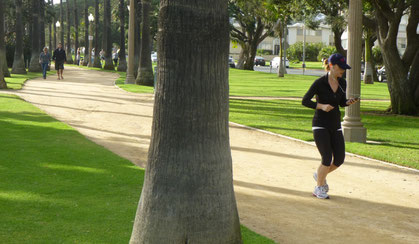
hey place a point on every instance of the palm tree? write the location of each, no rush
(107, 36)
(18, 61)
(188, 195)
(137, 33)
(3, 84)
(5, 69)
(49, 27)
(87, 56)
(42, 23)
(122, 65)
(76, 26)
(34, 65)
(62, 23)
(96, 62)
(68, 52)
(145, 70)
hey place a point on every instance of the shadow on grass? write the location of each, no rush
(57, 186)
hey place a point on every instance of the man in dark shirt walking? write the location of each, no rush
(60, 58)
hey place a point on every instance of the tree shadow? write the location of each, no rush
(296, 217)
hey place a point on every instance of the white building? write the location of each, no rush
(401, 36)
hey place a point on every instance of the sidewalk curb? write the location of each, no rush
(312, 144)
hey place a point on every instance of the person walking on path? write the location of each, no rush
(60, 58)
(78, 56)
(45, 60)
(330, 92)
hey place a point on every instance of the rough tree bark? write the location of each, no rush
(145, 70)
(50, 30)
(4, 67)
(404, 89)
(3, 84)
(87, 55)
(76, 27)
(96, 62)
(188, 192)
(18, 61)
(42, 42)
(137, 45)
(107, 36)
(122, 65)
(368, 68)
(68, 44)
(62, 24)
(36, 50)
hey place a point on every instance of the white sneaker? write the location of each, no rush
(320, 192)
(326, 186)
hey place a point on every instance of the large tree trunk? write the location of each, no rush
(145, 70)
(281, 68)
(3, 84)
(107, 36)
(122, 65)
(87, 55)
(368, 69)
(137, 45)
(4, 67)
(18, 61)
(401, 87)
(96, 62)
(35, 66)
(50, 31)
(250, 58)
(337, 36)
(42, 23)
(68, 46)
(242, 58)
(188, 194)
(76, 27)
(62, 24)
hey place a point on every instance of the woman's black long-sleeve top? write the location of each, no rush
(325, 95)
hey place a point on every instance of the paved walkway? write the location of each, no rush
(370, 202)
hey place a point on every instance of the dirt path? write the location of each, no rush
(370, 202)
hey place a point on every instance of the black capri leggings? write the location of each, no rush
(331, 144)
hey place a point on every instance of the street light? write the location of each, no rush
(91, 19)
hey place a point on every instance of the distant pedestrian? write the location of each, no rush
(78, 56)
(45, 60)
(60, 58)
(115, 58)
(330, 93)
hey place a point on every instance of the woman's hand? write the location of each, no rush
(325, 107)
(352, 101)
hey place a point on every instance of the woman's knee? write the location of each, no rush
(339, 159)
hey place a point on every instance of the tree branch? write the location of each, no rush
(412, 37)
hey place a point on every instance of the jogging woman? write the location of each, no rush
(330, 92)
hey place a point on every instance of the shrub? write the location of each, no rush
(325, 52)
(295, 51)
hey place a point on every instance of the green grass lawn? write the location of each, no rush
(16, 81)
(309, 65)
(398, 135)
(58, 187)
(251, 83)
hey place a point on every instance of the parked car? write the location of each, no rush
(275, 62)
(154, 57)
(231, 62)
(259, 61)
(381, 73)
